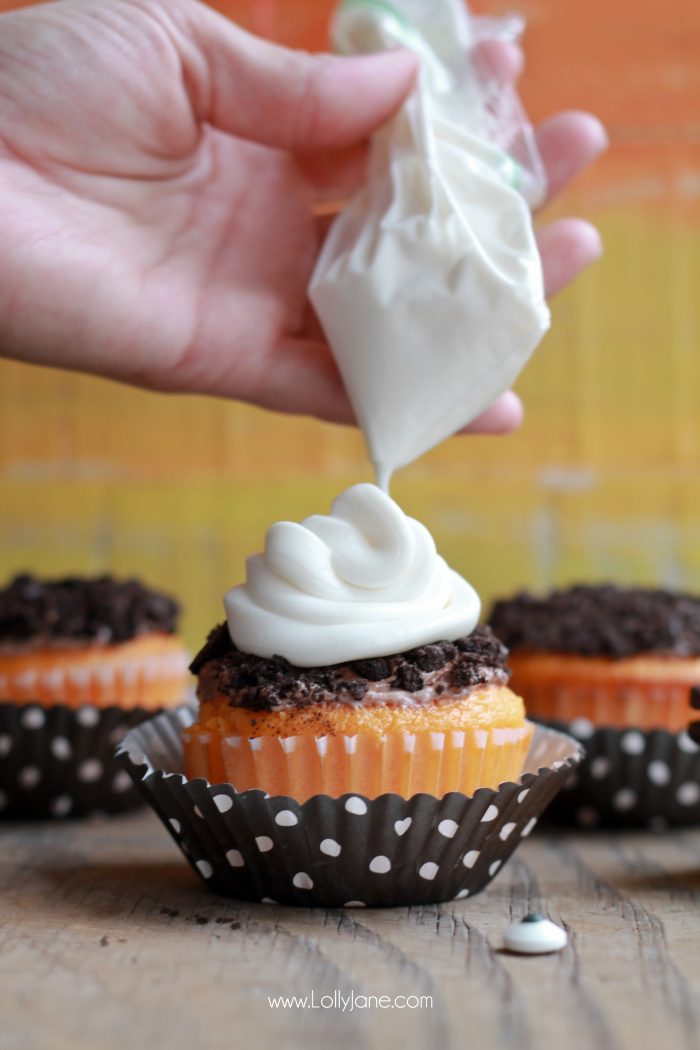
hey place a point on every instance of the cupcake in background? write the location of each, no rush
(357, 740)
(616, 667)
(81, 661)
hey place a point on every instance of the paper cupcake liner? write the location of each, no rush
(617, 701)
(694, 727)
(399, 761)
(138, 680)
(344, 851)
(58, 761)
(630, 778)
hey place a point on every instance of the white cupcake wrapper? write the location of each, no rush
(630, 778)
(112, 676)
(343, 851)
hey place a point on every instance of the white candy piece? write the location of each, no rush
(534, 935)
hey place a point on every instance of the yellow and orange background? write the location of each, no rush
(603, 480)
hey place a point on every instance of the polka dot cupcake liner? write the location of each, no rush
(630, 778)
(59, 761)
(694, 727)
(345, 851)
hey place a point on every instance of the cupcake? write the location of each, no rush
(302, 693)
(81, 660)
(617, 667)
(350, 707)
(434, 719)
(81, 641)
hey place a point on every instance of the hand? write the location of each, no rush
(158, 171)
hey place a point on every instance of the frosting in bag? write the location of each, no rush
(429, 285)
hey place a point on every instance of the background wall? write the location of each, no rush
(601, 482)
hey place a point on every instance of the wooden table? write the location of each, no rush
(108, 940)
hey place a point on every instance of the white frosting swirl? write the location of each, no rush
(363, 581)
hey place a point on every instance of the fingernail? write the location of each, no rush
(599, 134)
(595, 243)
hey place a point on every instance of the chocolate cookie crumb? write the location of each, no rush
(408, 678)
(372, 670)
(218, 644)
(431, 657)
(257, 684)
(74, 608)
(601, 620)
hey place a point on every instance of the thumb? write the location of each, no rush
(288, 99)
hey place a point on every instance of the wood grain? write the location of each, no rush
(107, 938)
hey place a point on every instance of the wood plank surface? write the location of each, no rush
(108, 939)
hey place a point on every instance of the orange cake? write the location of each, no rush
(434, 719)
(79, 641)
(615, 657)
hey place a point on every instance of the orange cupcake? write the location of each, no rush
(617, 669)
(611, 656)
(356, 741)
(435, 719)
(98, 641)
(81, 661)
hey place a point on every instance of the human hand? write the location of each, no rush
(158, 172)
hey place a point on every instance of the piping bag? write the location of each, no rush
(429, 285)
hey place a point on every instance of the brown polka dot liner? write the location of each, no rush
(59, 761)
(694, 727)
(630, 778)
(346, 851)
